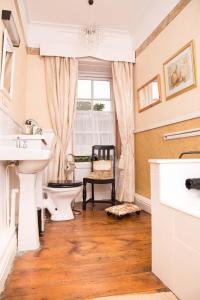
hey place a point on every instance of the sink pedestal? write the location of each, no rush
(30, 164)
(28, 235)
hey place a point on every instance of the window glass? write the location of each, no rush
(155, 90)
(84, 89)
(101, 89)
(84, 105)
(99, 105)
(95, 121)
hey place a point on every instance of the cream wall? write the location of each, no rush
(149, 143)
(16, 106)
(179, 32)
(36, 101)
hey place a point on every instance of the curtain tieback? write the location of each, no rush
(59, 141)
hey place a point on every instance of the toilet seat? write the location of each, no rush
(64, 184)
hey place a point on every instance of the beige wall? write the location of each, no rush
(149, 63)
(16, 107)
(150, 144)
(36, 104)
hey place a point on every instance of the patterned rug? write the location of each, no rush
(157, 296)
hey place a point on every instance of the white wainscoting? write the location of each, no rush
(8, 241)
(8, 250)
(143, 202)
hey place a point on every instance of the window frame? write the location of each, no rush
(92, 99)
(92, 111)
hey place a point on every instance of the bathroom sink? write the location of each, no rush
(31, 166)
(11, 153)
(29, 161)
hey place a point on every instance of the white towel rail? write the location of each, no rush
(181, 134)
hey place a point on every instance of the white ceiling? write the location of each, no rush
(114, 14)
(125, 23)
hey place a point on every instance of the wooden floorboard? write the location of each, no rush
(91, 256)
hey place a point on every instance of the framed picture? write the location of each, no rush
(7, 66)
(180, 72)
(149, 94)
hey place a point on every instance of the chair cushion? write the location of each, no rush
(123, 209)
(100, 175)
(102, 165)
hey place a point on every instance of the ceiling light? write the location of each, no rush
(10, 25)
(91, 35)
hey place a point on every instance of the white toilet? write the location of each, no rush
(60, 196)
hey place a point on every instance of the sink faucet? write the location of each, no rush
(18, 142)
(19, 145)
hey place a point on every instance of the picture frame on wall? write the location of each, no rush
(7, 66)
(149, 94)
(180, 71)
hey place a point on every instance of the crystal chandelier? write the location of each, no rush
(91, 35)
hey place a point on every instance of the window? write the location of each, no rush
(94, 124)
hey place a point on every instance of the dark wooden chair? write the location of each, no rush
(100, 153)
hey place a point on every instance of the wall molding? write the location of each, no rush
(165, 22)
(7, 258)
(183, 118)
(20, 21)
(143, 202)
(32, 51)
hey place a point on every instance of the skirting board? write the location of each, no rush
(143, 202)
(98, 196)
(7, 259)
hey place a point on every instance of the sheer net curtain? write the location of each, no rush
(61, 86)
(93, 128)
(123, 95)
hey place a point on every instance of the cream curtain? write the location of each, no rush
(61, 85)
(123, 94)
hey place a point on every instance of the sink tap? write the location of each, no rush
(25, 144)
(18, 142)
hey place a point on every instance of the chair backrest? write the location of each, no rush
(105, 152)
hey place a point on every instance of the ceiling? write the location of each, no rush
(125, 23)
(114, 14)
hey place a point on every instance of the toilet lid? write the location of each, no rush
(64, 184)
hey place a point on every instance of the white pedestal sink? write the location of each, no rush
(30, 163)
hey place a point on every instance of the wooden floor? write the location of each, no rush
(91, 256)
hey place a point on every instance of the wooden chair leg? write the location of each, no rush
(113, 194)
(92, 194)
(84, 195)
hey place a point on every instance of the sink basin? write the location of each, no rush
(11, 153)
(30, 161)
(31, 166)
